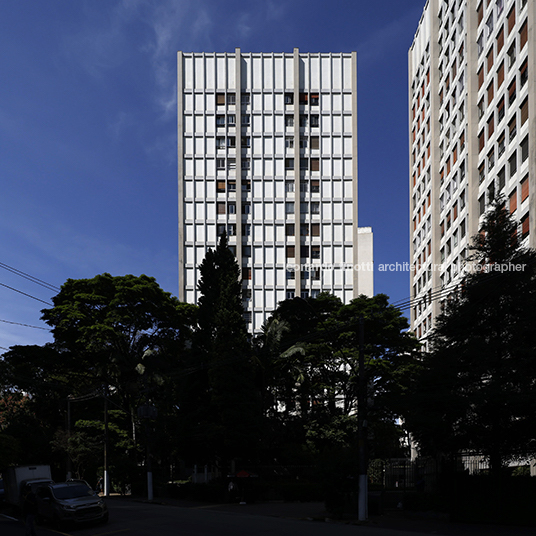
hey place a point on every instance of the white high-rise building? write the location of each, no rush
(472, 121)
(267, 147)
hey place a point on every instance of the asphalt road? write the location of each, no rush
(136, 518)
(130, 518)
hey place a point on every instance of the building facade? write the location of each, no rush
(267, 147)
(472, 121)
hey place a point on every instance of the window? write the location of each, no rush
(491, 125)
(245, 163)
(231, 229)
(315, 208)
(524, 188)
(500, 75)
(220, 207)
(314, 99)
(220, 142)
(500, 110)
(481, 108)
(489, 59)
(246, 251)
(501, 179)
(246, 274)
(525, 149)
(289, 120)
(220, 98)
(289, 163)
(482, 204)
(511, 19)
(513, 201)
(289, 229)
(220, 186)
(245, 98)
(315, 252)
(231, 141)
(523, 76)
(246, 229)
(500, 145)
(246, 142)
(480, 43)
(315, 164)
(490, 93)
(491, 159)
(523, 35)
(512, 55)
(500, 6)
(303, 120)
(512, 128)
(291, 274)
(220, 120)
(231, 120)
(525, 111)
(245, 119)
(512, 92)
(315, 227)
(315, 142)
(246, 293)
(289, 207)
(500, 40)
(231, 208)
(231, 186)
(304, 208)
(304, 251)
(315, 120)
(289, 142)
(246, 185)
(220, 163)
(231, 98)
(512, 163)
(304, 98)
(231, 163)
(481, 140)
(220, 229)
(315, 186)
(303, 142)
(289, 186)
(525, 227)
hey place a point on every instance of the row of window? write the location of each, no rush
(229, 99)
(223, 142)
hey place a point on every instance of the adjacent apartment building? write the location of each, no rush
(472, 125)
(267, 152)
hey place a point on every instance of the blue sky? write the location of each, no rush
(88, 161)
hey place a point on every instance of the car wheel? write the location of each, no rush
(105, 518)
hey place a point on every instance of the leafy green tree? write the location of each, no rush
(311, 352)
(477, 388)
(220, 401)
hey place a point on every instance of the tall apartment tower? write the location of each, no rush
(267, 147)
(472, 120)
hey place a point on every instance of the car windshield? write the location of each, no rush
(72, 492)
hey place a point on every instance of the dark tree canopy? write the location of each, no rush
(477, 389)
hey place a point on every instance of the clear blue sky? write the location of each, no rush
(88, 162)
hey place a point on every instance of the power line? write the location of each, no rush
(24, 325)
(29, 277)
(25, 294)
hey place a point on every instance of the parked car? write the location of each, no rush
(70, 502)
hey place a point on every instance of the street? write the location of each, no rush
(142, 519)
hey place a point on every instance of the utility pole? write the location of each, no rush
(362, 427)
(106, 476)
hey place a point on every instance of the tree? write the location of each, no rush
(311, 349)
(219, 398)
(477, 388)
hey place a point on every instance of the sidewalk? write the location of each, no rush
(315, 512)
